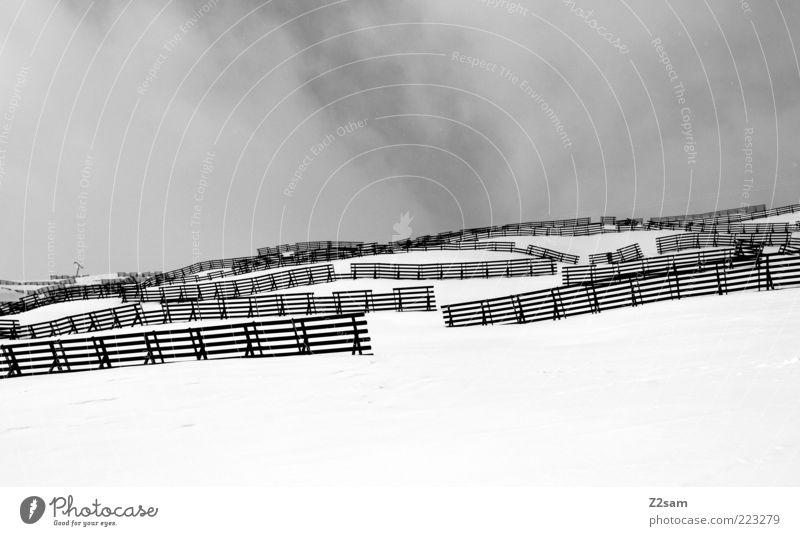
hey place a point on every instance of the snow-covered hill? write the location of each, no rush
(699, 391)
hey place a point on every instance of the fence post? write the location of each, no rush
(11, 359)
(764, 270)
(252, 338)
(57, 359)
(591, 294)
(102, 352)
(518, 309)
(556, 296)
(398, 299)
(356, 338)
(198, 344)
(153, 348)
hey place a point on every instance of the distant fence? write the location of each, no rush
(544, 253)
(462, 270)
(713, 214)
(679, 242)
(726, 218)
(593, 273)
(491, 232)
(36, 283)
(284, 337)
(356, 301)
(763, 273)
(233, 288)
(742, 228)
(63, 294)
(624, 254)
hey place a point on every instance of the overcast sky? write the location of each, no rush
(141, 135)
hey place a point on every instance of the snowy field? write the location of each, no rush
(697, 392)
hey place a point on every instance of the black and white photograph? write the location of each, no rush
(400, 267)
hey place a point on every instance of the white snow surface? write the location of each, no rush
(702, 391)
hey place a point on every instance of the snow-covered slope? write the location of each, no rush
(701, 391)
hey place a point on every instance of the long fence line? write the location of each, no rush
(326, 251)
(742, 228)
(132, 315)
(304, 252)
(593, 273)
(768, 272)
(314, 335)
(404, 299)
(234, 288)
(312, 252)
(730, 218)
(713, 214)
(320, 274)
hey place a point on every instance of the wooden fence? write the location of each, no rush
(593, 273)
(792, 247)
(357, 301)
(125, 316)
(557, 256)
(742, 228)
(8, 328)
(713, 214)
(62, 294)
(237, 287)
(283, 337)
(768, 272)
(681, 241)
(461, 270)
(628, 253)
(733, 216)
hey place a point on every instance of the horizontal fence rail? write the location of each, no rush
(768, 272)
(593, 273)
(462, 270)
(285, 337)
